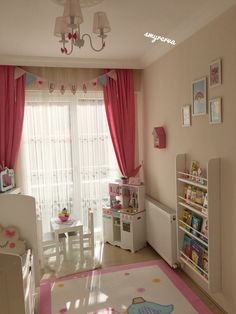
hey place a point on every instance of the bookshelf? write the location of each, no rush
(191, 239)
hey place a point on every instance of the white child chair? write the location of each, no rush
(88, 234)
(48, 244)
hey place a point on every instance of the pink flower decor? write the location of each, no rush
(12, 245)
(9, 233)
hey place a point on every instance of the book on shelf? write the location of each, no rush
(196, 224)
(205, 261)
(186, 245)
(200, 195)
(205, 204)
(196, 253)
(195, 195)
(204, 230)
(187, 218)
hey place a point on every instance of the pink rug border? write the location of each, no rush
(196, 302)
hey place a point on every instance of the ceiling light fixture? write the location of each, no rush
(67, 27)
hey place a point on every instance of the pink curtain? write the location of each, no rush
(120, 111)
(12, 99)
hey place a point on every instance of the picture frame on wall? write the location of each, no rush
(215, 73)
(199, 97)
(186, 115)
(215, 111)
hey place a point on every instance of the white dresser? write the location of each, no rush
(17, 284)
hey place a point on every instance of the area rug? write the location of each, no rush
(143, 288)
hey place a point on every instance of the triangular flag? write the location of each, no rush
(73, 89)
(29, 78)
(62, 89)
(51, 87)
(113, 75)
(103, 79)
(84, 88)
(18, 73)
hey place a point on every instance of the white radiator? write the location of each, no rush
(161, 230)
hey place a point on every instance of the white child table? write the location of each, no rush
(72, 225)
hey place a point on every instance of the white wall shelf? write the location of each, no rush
(201, 186)
(191, 176)
(212, 248)
(191, 234)
(191, 203)
(184, 259)
(191, 208)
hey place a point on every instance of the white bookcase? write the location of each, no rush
(124, 221)
(210, 244)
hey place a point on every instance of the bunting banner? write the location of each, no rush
(103, 79)
(30, 78)
(63, 86)
(18, 72)
(112, 75)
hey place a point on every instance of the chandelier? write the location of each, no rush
(67, 27)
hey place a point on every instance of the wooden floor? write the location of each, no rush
(112, 256)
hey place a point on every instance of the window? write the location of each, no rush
(68, 154)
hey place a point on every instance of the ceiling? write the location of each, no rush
(26, 31)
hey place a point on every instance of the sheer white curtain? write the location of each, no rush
(68, 154)
(97, 161)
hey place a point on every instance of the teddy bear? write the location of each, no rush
(10, 242)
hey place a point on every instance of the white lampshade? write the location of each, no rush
(60, 26)
(100, 22)
(72, 9)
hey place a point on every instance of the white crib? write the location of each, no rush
(17, 287)
(19, 275)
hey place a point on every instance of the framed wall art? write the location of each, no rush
(215, 73)
(215, 111)
(186, 115)
(199, 97)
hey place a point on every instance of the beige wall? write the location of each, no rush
(167, 86)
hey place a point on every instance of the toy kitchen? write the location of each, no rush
(124, 220)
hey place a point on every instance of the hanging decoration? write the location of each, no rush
(62, 86)
(84, 88)
(18, 72)
(73, 89)
(62, 89)
(51, 87)
(30, 78)
(112, 75)
(103, 79)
